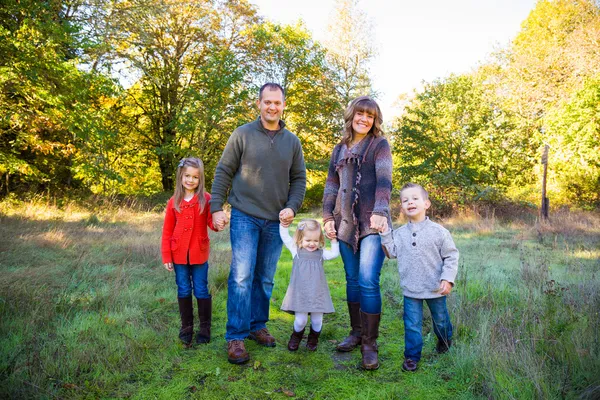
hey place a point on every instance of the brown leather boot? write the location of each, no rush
(354, 339)
(368, 348)
(186, 312)
(236, 352)
(205, 315)
(295, 340)
(313, 340)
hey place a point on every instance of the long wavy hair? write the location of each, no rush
(180, 190)
(364, 104)
(311, 225)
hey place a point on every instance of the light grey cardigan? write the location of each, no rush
(426, 255)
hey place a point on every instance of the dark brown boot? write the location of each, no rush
(313, 340)
(354, 339)
(295, 340)
(368, 348)
(186, 312)
(205, 315)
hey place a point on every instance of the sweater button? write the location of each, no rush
(414, 234)
(414, 244)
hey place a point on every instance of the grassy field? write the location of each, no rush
(87, 311)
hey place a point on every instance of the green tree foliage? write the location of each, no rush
(574, 137)
(41, 87)
(455, 139)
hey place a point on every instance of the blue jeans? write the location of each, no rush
(413, 324)
(192, 277)
(363, 269)
(256, 248)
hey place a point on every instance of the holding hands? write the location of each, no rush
(379, 223)
(330, 231)
(220, 220)
(286, 217)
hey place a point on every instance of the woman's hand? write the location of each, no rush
(379, 223)
(330, 231)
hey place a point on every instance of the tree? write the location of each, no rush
(455, 139)
(350, 50)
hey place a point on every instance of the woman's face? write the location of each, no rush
(362, 122)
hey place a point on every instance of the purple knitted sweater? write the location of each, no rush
(359, 184)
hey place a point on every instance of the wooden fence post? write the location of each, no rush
(545, 200)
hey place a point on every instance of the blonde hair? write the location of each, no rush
(308, 225)
(362, 104)
(411, 185)
(180, 190)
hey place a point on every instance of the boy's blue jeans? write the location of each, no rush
(256, 248)
(192, 278)
(363, 269)
(413, 324)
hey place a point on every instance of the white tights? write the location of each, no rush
(316, 321)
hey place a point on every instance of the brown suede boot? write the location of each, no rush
(368, 348)
(354, 339)
(186, 312)
(295, 340)
(205, 315)
(313, 340)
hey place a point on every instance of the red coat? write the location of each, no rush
(186, 231)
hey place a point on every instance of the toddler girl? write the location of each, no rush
(308, 291)
(185, 247)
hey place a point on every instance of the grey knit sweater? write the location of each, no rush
(265, 174)
(426, 255)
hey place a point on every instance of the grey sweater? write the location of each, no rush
(426, 255)
(265, 175)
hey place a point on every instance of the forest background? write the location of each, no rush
(71, 124)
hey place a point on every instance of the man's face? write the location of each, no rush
(271, 107)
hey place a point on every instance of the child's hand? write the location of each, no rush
(379, 223)
(168, 266)
(330, 230)
(286, 217)
(445, 288)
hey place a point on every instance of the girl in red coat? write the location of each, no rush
(185, 247)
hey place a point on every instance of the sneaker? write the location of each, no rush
(262, 337)
(236, 352)
(409, 365)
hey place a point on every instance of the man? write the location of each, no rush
(263, 165)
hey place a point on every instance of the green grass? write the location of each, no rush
(87, 311)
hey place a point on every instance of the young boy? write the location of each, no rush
(427, 263)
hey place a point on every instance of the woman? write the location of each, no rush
(355, 208)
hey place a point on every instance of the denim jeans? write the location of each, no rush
(413, 324)
(363, 269)
(192, 277)
(256, 248)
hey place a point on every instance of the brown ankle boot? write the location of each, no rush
(205, 315)
(295, 340)
(186, 312)
(354, 339)
(313, 340)
(368, 348)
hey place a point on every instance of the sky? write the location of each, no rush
(416, 40)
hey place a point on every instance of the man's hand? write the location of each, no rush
(445, 288)
(220, 220)
(379, 223)
(168, 266)
(286, 217)
(330, 231)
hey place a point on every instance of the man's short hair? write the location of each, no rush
(272, 86)
(414, 185)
